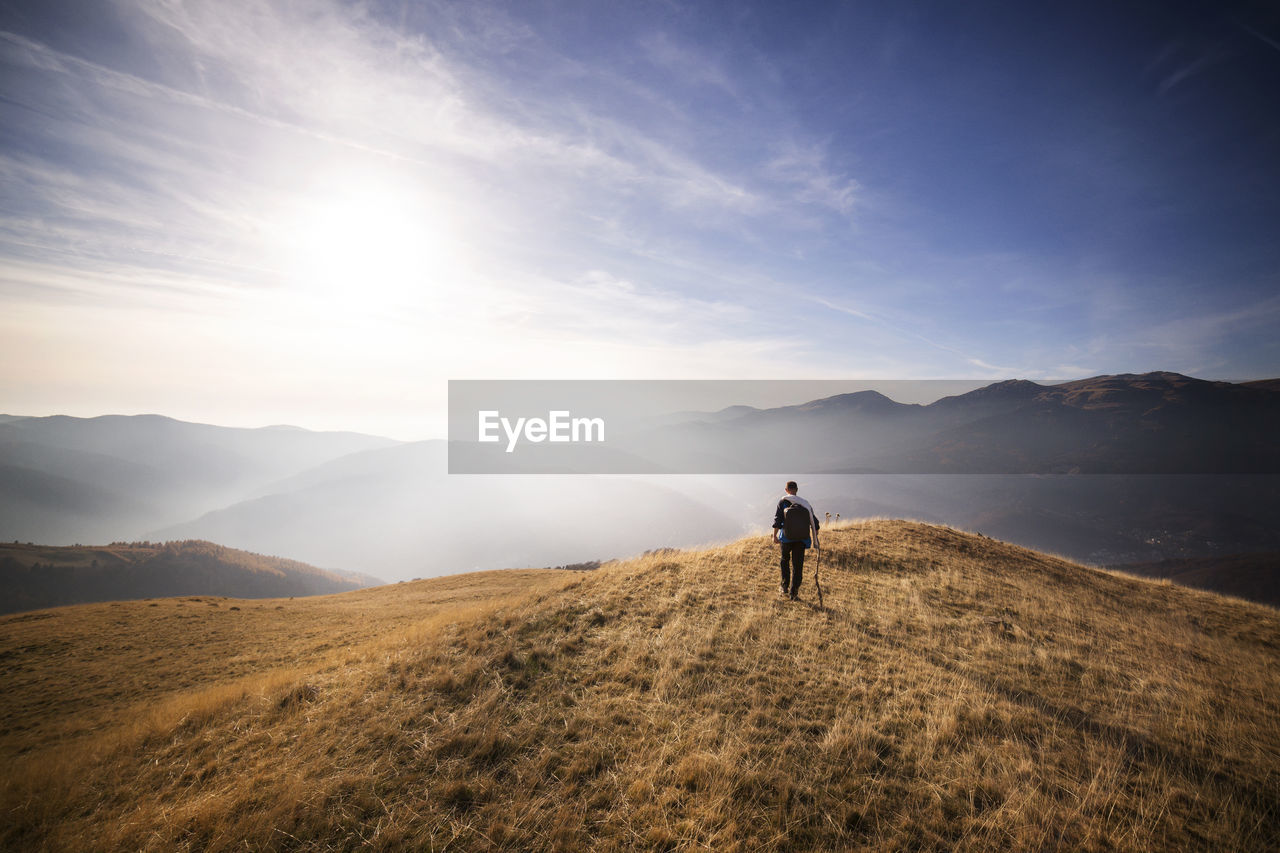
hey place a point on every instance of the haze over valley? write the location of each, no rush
(390, 509)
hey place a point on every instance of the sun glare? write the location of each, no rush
(369, 246)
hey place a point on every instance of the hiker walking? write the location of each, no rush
(795, 528)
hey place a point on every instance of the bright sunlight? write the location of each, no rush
(355, 243)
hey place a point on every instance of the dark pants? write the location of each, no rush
(792, 554)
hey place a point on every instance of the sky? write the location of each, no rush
(247, 213)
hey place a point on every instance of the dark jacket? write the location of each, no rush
(788, 500)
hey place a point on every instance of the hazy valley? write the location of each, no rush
(1146, 485)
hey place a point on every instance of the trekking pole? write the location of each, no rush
(816, 566)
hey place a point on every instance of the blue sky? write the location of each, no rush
(318, 212)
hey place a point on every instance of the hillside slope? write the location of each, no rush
(1252, 576)
(73, 672)
(954, 693)
(35, 576)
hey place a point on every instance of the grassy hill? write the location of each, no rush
(35, 576)
(955, 693)
(80, 677)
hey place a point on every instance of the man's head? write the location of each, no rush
(792, 488)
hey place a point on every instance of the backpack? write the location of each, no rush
(795, 523)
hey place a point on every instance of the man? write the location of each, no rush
(793, 540)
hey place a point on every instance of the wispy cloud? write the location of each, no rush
(1186, 70)
(967, 363)
(1260, 36)
(183, 187)
(278, 93)
(692, 67)
(450, 177)
(806, 170)
(1190, 341)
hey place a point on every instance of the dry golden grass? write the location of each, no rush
(956, 693)
(71, 671)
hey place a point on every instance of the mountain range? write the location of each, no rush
(1155, 423)
(1114, 469)
(112, 477)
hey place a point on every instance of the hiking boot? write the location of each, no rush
(782, 590)
(795, 596)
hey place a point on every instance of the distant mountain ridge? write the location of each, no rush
(120, 476)
(382, 507)
(1153, 423)
(39, 576)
